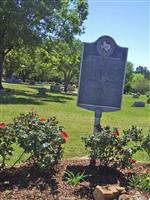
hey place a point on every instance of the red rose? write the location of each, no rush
(116, 132)
(2, 125)
(64, 135)
(43, 119)
(131, 160)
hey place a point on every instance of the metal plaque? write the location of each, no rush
(102, 75)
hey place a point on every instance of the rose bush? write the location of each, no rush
(42, 138)
(111, 148)
(146, 144)
(7, 138)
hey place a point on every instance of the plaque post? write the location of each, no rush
(97, 117)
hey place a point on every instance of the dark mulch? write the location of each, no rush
(27, 182)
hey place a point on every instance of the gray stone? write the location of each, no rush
(138, 104)
(2, 91)
(70, 88)
(139, 196)
(102, 75)
(32, 82)
(13, 80)
(42, 91)
(136, 196)
(125, 197)
(135, 96)
(55, 88)
(67, 198)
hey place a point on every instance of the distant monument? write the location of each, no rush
(102, 75)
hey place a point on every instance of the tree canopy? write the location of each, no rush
(129, 72)
(144, 71)
(29, 22)
(67, 59)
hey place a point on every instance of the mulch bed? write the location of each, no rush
(26, 182)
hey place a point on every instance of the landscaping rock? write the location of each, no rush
(107, 192)
(136, 196)
(67, 198)
(138, 104)
(139, 196)
(125, 197)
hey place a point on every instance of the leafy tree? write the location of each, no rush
(128, 77)
(9, 64)
(144, 71)
(141, 86)
(127, 88)
(67, 57)
(43, 64)
(139, 83)
(137, 77)
(129, 72)
(19, 63)
(30, 22)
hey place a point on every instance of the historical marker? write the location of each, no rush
(102, 75)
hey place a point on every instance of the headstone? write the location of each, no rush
(102, 75)
(2, 91)
(55, 88)
(32, 82)
(138, 104)
(70, 88)
(13, 80)
(42, 91)
(135, 95)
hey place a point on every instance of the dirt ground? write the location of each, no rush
(26, 182)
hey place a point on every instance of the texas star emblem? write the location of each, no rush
(106, 46)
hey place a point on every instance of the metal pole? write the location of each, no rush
(98, 115)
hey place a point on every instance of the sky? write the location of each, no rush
(126, 21)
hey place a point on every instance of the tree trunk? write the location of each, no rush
(2, 56)
(65, 86)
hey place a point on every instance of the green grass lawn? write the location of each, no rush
(77, 121)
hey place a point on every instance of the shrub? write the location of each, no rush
(146, 144)
(7, 138)
(42, 138)
(112, 149)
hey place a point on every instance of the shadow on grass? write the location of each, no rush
(28, 176)
(18, 100)
(26, 97)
